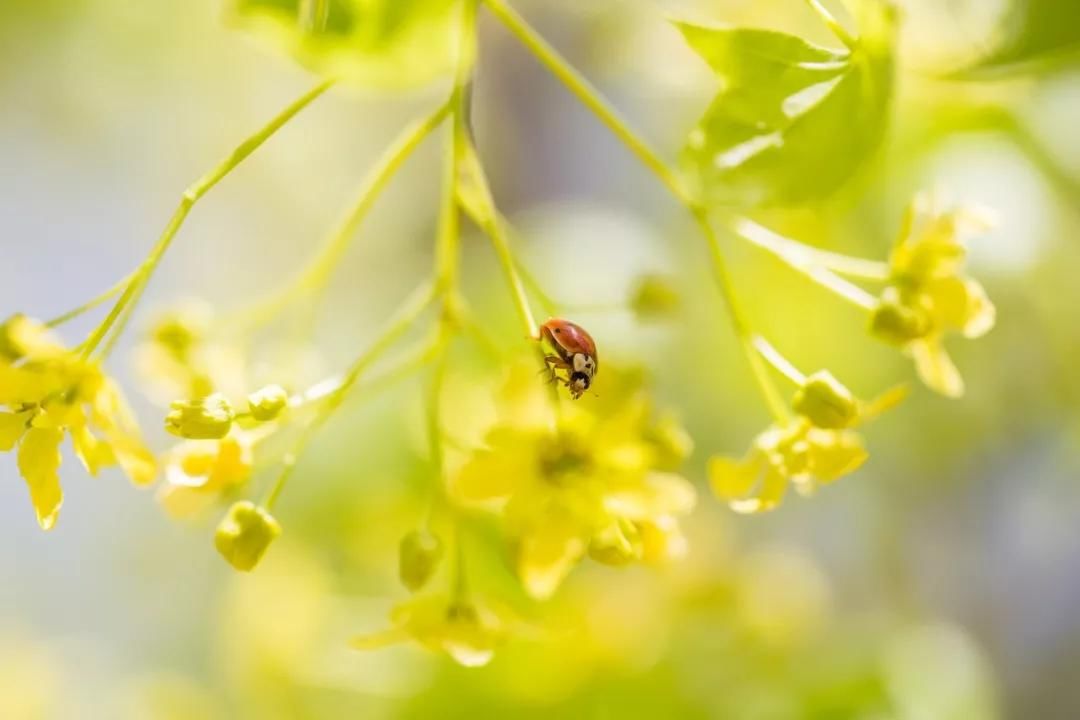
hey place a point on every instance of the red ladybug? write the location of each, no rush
(575, 352)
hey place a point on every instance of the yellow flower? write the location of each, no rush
(419, 555)
(467, 632)
(930, 296)
(51, 392)
(199, 473)
(587, 479)
(796, 453)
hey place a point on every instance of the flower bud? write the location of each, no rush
(266, 404)
(896, 323)
(654, 296)
(207, 419)
(419, 556)
(826, 402)
(244, 535)
(617, 544)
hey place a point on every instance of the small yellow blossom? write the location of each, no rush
(51, 392)
(795, 453)
(930, 296)
(209, 418)
(245, 534)
(467, 632)
(588, 479)
(199, 473)
(653, 297)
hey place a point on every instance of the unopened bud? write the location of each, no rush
(824, 401)
(244, 535)
(207, 419)
(419, 556)
(896, 323)
(266, 404)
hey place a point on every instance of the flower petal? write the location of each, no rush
(936, 368)
(93, 452)
(548, 554)
(12, 427)
(769, 494)
(835, 454)
(732, 479)
(39, 464)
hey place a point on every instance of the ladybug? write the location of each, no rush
(575, 352)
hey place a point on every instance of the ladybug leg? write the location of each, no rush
(554, 362)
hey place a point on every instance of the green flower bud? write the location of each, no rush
(244, 535)
(207, 419)
(825, 402)
(617, 544)
(419, 556)
(266, 404)
(897, 323)
(653, 297)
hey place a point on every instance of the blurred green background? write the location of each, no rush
(940, 581)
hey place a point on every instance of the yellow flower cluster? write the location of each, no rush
(929, 295)
(577, 479)
(816, 446)
(49, 392)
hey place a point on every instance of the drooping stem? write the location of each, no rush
(90, 304)
(592, 99)
(777, 360)
(399, 324)
(801, 256)
(141, 276)
(833, 24)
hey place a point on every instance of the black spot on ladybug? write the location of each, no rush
(557, 331)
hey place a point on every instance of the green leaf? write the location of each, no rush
(792, 121)
(386, 44)
(1036, 32)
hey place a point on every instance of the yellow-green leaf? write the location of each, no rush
(792, 121)
(377, 43)
(39, 464)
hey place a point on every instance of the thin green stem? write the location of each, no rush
(136, 286)
(777, 360)
(591, 98)
(586, 93)
(773, 400)
(801, 256)
(802, 260)
(833, 24)
(90, 304)
(399, 324)
(318, 271)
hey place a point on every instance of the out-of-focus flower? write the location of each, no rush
(180, 357)
(208, 418)
(51, 392)
(584, 479)
(654, 297)
(794, 453)
(245, 534)
(419, 556)
(929, 295)
(199, 473)
(467, 632)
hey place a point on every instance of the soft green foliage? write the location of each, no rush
(378, 43)
(792, 121)
(1034, 31)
